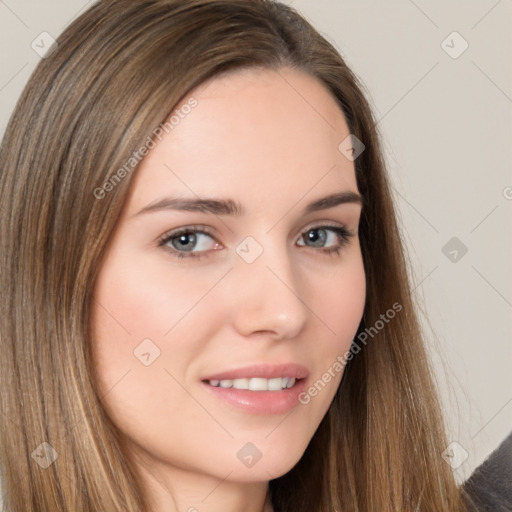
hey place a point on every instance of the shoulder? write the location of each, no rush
(490, 485)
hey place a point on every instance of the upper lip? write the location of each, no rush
(266, 371)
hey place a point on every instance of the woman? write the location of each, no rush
(206, 303)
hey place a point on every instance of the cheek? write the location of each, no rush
(142, 348)
(133, 309)
(341, 302)
(140, 298)
(136, 300)
(149, 322)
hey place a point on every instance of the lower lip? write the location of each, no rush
(260, 402)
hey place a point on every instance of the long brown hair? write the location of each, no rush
(117, 74)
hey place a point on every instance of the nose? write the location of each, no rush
(267, 296)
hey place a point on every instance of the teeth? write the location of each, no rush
(255, 384)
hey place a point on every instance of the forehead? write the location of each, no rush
(255, 135)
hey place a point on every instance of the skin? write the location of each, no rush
(268, 140)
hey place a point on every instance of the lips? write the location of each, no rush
(260, 389)
(263, 371)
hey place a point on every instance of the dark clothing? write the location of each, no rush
(490, 485)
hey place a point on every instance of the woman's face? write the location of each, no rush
(193, 298)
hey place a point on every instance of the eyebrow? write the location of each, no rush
(230, 207)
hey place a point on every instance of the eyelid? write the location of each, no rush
(200, 228)
(323, 224)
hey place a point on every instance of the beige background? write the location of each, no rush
(446, 120)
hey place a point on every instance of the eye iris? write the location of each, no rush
(187, 239)
(317, 236)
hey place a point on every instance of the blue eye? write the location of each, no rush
(196, 241)
(324, 237)
(186, 240)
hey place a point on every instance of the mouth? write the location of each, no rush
(254, 383)
(261, 401)
(260, 389)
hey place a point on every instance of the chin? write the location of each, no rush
(274, 461)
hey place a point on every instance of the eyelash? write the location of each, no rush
(342, 233)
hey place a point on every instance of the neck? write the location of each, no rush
(173, 490)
